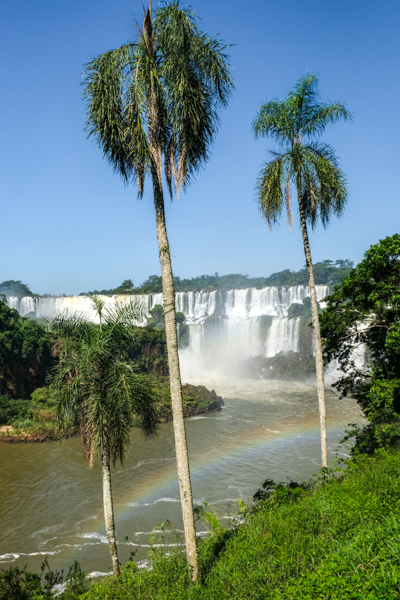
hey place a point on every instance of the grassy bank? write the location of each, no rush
(338, 541)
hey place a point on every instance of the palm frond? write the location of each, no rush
(70, 326)
(269, 189)
(324, 191)
(273, 120)
(196, 81)
(104, 93)
(323, 115)
(312, 166)
(96, 392)
(144, 400)
(159, 96)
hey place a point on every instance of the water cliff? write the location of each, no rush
(238, 323)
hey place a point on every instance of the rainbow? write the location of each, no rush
(247, 445)
(251, 443)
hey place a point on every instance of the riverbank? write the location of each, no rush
(338, 541)
(197, 400)
(45, 434)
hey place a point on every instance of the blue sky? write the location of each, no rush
(69, 225)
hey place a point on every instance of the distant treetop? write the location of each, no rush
(326, 272)
(14, 288)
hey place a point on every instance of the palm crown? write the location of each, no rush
(296, 123)
(97, 392)
(162, 91)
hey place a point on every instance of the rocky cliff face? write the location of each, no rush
(20, 377)
(197, 399)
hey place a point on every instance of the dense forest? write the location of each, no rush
(25, 354)
(325, 272)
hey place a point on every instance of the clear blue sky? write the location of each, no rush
(69, 225)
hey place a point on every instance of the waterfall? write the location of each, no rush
(27, 306)
(236, 323)
(283, 336)
(13, 302)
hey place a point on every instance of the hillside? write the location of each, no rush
(338, 541)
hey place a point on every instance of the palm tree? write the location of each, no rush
(98, 394)
(295, 124)
(152, 106)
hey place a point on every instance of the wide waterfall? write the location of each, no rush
(234, 323)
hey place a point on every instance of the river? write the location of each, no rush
(51, 503)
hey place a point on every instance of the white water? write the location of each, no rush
(234, 323)
(282, 336)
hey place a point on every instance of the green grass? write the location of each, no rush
(339, 541)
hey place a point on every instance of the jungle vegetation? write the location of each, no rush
(363, 314)
(25, 354)
(14, 288)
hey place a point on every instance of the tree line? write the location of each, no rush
(325, 272)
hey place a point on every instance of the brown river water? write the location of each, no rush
(51, 503)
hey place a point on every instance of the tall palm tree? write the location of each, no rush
(152, 106)
(295, 124)
(98, 394)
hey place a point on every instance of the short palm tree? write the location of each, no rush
(98, 394)
(152, 106)
(295, 124)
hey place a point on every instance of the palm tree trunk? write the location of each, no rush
(109, 512)
(182, 456)
(319, 363)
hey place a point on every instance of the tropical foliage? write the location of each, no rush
(148, 350)
(25, 354)
(98, 394)
(21, 584)
(152, 106)
(364, 312)
(158, 94)
(37, 412)
(310, 166)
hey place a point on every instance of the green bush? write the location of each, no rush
(14, 410)
(21, 584)
(28, 414)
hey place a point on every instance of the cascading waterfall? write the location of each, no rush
(282, 336)
(234, 323)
